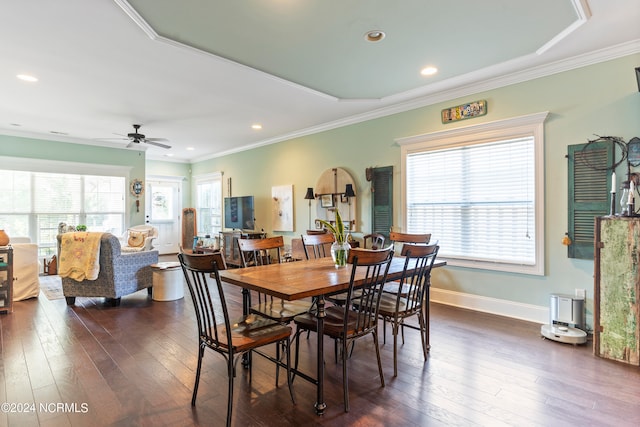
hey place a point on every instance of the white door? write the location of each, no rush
(164, 204)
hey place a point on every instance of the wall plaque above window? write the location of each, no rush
(464, 111)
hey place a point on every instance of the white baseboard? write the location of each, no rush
(516, 310)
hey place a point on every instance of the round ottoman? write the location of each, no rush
(167, 281)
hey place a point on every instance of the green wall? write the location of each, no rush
(599, 99)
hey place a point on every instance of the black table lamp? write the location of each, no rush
(310, 196)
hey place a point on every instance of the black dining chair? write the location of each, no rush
(405, 238)
(317, 245)
(267, 251)
(216, 331)
(396, 308)
(359, 316)
(263, 252)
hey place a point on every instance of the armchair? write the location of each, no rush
(120, 273)
(138, 238)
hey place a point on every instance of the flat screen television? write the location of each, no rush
(238, 212)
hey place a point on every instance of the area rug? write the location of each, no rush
(51, 287)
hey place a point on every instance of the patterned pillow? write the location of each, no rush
(136, 238)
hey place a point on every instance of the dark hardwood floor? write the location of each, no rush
(133, 365)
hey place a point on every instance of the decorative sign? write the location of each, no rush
(464, 111)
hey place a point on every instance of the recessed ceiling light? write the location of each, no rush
(190, 148)
(256, 126)
(428, 71)
(374, 36)
(27, 78)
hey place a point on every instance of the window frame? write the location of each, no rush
(528, 125)
(208, 178)
(33, 166)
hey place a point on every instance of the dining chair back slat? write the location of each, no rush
(422, 238)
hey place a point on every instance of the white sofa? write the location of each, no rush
(26, 268)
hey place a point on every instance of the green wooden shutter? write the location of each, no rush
(382, 200)
(589, 193)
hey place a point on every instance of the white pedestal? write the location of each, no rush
(167, 281)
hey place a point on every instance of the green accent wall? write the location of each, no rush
(598, 99)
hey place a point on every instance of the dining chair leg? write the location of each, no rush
(198, 370)
(289, 378)
(345, 378)
(376, 344)
(384, 330)
(395, 349)
(295, 365)
(277, 365)
(230, 374)
(423, 335)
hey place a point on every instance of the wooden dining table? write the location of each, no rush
(306, 279)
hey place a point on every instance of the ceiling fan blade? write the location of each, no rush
(157, 139)
(152, 141)
(110, 139)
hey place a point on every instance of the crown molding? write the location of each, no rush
(468, 85)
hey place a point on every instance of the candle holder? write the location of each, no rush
(612, 210)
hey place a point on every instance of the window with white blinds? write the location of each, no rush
(34, 203)
(479, 195)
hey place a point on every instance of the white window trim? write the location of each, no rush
(532, 124)
(197, 179)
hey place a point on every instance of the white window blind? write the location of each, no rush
(34, 203)
(479, 191)
(14, 191)
(57, 193)
(103, 194)
(476, 200)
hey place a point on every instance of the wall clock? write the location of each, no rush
(137, 187)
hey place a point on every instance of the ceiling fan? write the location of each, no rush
(136, 138)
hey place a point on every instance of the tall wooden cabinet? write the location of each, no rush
(616, 332)
(6, 279)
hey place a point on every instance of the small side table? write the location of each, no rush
(6, 284)
(167, 281)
